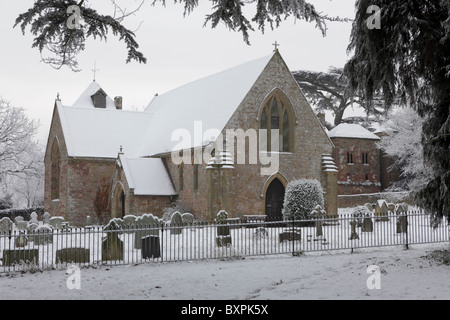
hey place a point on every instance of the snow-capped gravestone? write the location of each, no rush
(187, 218)
(367, 225)
(31, 229)
(145, 225)
(22, 226)
(112, 246)
(318, 214)
(56, 222)
(129, 223)
(18, 219)
(223, 238)
(6, 225)
(176, 223)
(354, 235)
(46, 218)
(43, 235)
(34, 218)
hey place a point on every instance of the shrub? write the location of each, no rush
(359, 213)
(301, 198)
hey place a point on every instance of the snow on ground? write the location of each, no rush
(405, 274)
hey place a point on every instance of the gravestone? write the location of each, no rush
(381, 211)
(73, 255)
(46, 218)
(354, 235)
(56, 222)
(223, 237)
(17, 256)
(22, 226)
(145, 225)
(150, 247)
(43, 235)
(6, 225)
(402, 224)
(34, 218)
(260, 232)
(367, 225)
(129, 223)
(187, 218)
(21, 240)
(18, 219)
(290, 234)
(176, 223)
(112, 246)
(31, 230)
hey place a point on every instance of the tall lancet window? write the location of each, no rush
(55, 172)
(277, 118)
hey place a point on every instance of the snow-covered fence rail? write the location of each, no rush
(46, 248)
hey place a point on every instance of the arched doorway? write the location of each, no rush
(118, 203)
(275, 200)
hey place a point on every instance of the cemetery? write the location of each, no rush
(48, 242)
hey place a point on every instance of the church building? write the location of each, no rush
(181, 148)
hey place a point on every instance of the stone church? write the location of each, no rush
(136, 155)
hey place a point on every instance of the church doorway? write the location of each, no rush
(275, 200)
(118, 204)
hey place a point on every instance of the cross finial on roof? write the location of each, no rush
(276, 44)
(57, 97)
(121, 150)
(95, 69)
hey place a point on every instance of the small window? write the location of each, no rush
(367, 177)
(180, 176)
(349, 158)
(365, 158)
(195, 176)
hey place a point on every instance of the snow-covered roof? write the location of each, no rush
(147, 176)
(85, 99)
(348, 130)
(211, 100)
(99, 133)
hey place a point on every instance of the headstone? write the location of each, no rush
(402, 224)
(56, 222)
(187, 218)
(223, 237)
(145, 225)
(17, 256)
(290, 234)
(22, 226)
(129, 223)
(43, 235)
(73, 255)
(150, 247)
(354, 235)
(46, 218)
(367, 225)
(21, 240)
(31, 230)
(112, 246)
(381, 211)
(18, 219)
(6, 225)
(34, 217)
(176, 223)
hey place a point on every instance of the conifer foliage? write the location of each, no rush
(409, 55)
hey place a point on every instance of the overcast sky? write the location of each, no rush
(179, 50)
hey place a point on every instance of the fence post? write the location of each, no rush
(162, 242)
(406, 225)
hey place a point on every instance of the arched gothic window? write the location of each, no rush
(277, 114)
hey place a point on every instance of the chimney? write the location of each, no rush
(118, 102)
(321, 117)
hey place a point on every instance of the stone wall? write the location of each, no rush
(348, 201)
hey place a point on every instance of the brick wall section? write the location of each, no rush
(348, 201)
(357, 171)
(85, 176)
